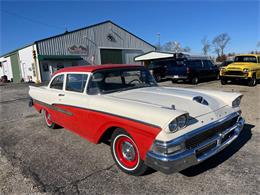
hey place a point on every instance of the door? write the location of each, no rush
(111, 56)
(197, 68)
(56, 97)
(76, 116)
(210, 70)
(15, 68)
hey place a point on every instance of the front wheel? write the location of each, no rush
(252, 81)
(126, 154)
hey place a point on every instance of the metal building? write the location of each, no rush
(101, 43)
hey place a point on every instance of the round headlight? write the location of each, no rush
(181, 121)
(245, 70)
(173, 126)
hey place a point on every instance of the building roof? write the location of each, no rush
(14, 51)
(91, 26)
(153, 55)
(69, 32)
(92, 68)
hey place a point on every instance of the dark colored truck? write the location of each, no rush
(186, 68)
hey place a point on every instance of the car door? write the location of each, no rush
(197, 68)
(75, 103)
(54, 97)
(210, 70)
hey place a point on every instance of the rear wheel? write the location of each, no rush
(195, 80)
(126, 153)
(223, 81)
(253, 81)
(48, 121)
(158, 77)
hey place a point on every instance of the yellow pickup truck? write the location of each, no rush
(245, 67)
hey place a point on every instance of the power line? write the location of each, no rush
(31, 20)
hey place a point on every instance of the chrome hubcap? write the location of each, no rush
(128, 151)
(49, 117)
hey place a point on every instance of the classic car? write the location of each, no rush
(245, 67)
(147, 126)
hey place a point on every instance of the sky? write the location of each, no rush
(23, 22)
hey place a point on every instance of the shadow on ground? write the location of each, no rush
(222, 156)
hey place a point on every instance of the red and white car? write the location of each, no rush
(168, 129)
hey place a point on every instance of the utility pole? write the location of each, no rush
(35, 66)
(159, 41)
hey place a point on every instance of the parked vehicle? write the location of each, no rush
(226, 63)
(184, 67)
(245, 67)
(168, 129)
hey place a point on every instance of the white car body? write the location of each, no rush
(153, 106)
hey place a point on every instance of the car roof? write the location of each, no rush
(248, 55)
(92, 68)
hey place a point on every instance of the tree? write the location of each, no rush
(220, 42)
(205, 45)
(174, 46)
(186, 49)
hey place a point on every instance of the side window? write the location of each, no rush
(114, 78)
(258, 59)
(57, 82)
(207, 64)
(76, 82)
(195, 63)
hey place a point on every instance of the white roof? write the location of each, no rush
(153, 55)
(160, 55)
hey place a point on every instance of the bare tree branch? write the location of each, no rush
(205, 45)
(220, 42)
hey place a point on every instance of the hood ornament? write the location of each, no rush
(200, 100)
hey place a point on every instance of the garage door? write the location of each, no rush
(111, 56)
(15, 68)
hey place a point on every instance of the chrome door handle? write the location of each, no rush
(60, 94)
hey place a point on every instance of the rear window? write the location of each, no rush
(245, 59)
(76, 82)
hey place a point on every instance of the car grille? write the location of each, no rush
(232, 72)
(200, 138)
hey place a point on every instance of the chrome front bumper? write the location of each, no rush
(188, 157)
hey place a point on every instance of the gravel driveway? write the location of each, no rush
(35, 159)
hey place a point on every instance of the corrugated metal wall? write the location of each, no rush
(93, 39)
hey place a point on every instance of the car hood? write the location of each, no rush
(172, 98)
(240, 65)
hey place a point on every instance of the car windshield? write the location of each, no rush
(245, 59)
(117, 80)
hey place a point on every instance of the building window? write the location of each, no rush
(45, 67)
(57, 82)
(76, 82)
(33, 69)
(60, 66)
